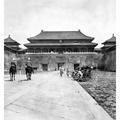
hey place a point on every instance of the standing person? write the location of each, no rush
(80, 73)
(61, 71)
(67, 72)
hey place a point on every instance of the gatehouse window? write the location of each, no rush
(69, 50)
(51, 50)
(44, 50)
(31, 50)
(37, 50)
(76, 50)
(83, 49)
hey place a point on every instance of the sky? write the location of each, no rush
(26, 18)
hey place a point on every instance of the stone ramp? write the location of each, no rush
(57, 98)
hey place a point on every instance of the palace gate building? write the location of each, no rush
(51, 49)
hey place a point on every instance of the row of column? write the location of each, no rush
(38, 50)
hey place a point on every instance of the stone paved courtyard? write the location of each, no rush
(49, 97)
(102, 87)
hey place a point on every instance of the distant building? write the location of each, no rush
(109, 43)
(51, 49)
(13, 46)
(11, 52)
(108, 61)
(9, 42)
(98, 50)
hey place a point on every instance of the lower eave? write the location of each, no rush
(10, 49)
(106, 46)
(60, 44)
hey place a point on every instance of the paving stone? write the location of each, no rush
(50, 97)
(103, 90)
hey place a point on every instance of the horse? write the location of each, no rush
(29, 71)
(12, 71)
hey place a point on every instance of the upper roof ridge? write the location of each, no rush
(61, 35)
(9, 39)
(112, 39)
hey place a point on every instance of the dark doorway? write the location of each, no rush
(76, 66)
(60, 65)
(45, 67)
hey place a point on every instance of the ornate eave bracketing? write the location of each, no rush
(60, 41)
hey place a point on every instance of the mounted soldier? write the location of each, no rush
(12, 71)
(29, 71)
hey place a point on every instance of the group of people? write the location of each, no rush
(62, 70)
(78, 74)
(13, 70)
(81, 73)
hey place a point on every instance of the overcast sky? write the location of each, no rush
(26, 18)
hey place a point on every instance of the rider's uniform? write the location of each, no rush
(28, 70)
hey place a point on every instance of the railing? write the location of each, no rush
(61, 53)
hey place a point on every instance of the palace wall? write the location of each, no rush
(51, 62)
(108, 61)
(8, 58)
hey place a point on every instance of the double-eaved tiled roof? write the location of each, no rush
(60, 35)
(10, 40)
(112, 39)
(9, 49)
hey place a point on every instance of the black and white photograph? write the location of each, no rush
(59, 59)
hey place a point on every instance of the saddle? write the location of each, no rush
(29, 69)
(12, 69)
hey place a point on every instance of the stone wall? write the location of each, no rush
(52, 60)
(108, 61)
(8, 58)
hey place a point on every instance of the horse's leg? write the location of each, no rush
(29, 76)
(10, 76)
(14, 76)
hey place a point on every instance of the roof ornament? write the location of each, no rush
(41, 30)
(78, 30)
(113, 34)
(9, 35)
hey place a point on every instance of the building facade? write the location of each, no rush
(11, 52)
(109, 43)
(51, 49)
(108, 61)
(12, 44)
